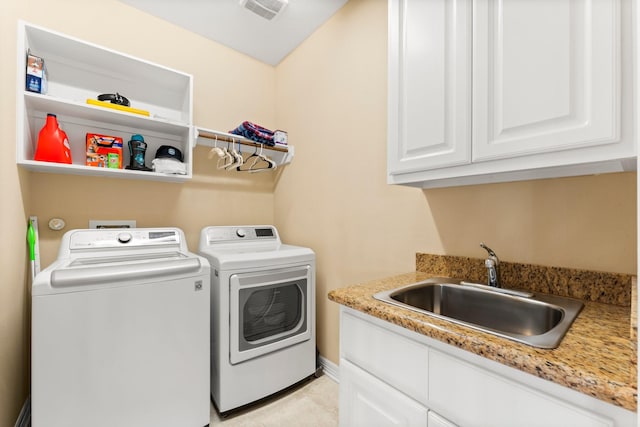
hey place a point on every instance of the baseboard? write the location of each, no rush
(330, 369)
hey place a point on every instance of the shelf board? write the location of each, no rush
(61, 168)
(63, 107)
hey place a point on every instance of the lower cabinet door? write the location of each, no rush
(436, 420)
(474, 397)
(365, 401)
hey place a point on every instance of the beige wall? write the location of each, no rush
(332, 99)
(330, 95)
(13, 265)
(228, 87)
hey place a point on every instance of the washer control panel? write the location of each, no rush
(113, 238)
(241, 233)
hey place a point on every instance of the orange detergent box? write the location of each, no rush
(104, 151)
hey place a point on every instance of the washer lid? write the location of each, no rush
(93, 259)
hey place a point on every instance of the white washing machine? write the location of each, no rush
(263, 335)
(120, 332)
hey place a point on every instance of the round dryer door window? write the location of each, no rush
(269, 312)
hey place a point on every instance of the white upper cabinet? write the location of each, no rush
(492, 90)
(429, 84)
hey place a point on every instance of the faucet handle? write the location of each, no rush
(492, 267)
(489, 251)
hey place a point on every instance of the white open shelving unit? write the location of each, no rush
(78, 71)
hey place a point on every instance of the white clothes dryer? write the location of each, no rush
(120, 332)
(263, 337)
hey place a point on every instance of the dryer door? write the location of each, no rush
(269, 310)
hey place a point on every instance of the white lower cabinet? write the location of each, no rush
(391, 376)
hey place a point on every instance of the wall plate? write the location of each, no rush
(103, 223)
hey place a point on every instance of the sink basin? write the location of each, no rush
(537, 320)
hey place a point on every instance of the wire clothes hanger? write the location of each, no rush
(229, 158)
(226, 160)
(216, 151)
(258, 159)
(238, 160)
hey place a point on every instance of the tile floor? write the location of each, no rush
(313, 403)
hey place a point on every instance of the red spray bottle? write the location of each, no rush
(53, 145)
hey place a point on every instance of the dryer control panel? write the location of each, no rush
(239, 233)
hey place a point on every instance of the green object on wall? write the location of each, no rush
(31, 239)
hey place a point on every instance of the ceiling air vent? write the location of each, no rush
(267, 9)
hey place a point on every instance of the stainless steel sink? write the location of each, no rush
(537, 320)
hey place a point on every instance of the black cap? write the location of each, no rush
(169, 151)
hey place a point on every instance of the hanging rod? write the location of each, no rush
(239, 139)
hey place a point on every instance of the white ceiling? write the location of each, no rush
(228, 23)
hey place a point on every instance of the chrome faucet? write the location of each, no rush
(491, 263)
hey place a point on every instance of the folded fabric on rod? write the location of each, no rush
(255, 133)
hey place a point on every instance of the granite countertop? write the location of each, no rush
(597, 355)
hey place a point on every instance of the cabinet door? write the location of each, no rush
(472, 396)
(365, 401)
(401, 362)
(429, 84)
(546, 76)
